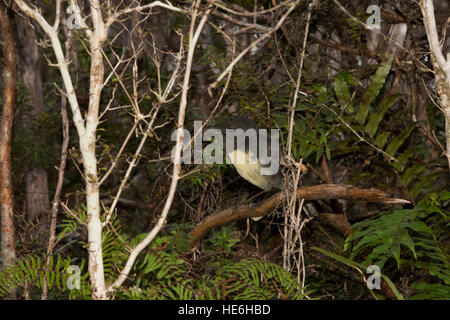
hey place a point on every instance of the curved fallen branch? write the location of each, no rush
(318, 192)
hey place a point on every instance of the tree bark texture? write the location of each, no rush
(9, 77)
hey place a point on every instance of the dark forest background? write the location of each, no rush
(367, 112)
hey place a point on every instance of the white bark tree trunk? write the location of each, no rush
(86, 129)
(441, 67)
(87, 145)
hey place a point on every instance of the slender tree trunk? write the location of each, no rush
(441, 67)
(87, 146)
(443, 91)
(86, 128)
(36, 196)
(9, 79)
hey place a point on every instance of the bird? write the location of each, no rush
(252, 168)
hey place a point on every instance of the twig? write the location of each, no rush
(297, 86)
(252, 45)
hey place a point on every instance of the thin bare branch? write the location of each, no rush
(177, 159)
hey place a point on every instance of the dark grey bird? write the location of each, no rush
(252, 170)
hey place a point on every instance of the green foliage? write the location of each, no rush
(165, 273)
(359, 267)
(223, 240)
(378, 121)
(311, 131)
(412, 237)
(255, 279)
(373, 91)
(342, 81)
(70, 224)
(206, 173)
(30, 271)
(316, 118)
(434, 291)
(113, 239)
(369, 125)
(114, 255)
(412, 241)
